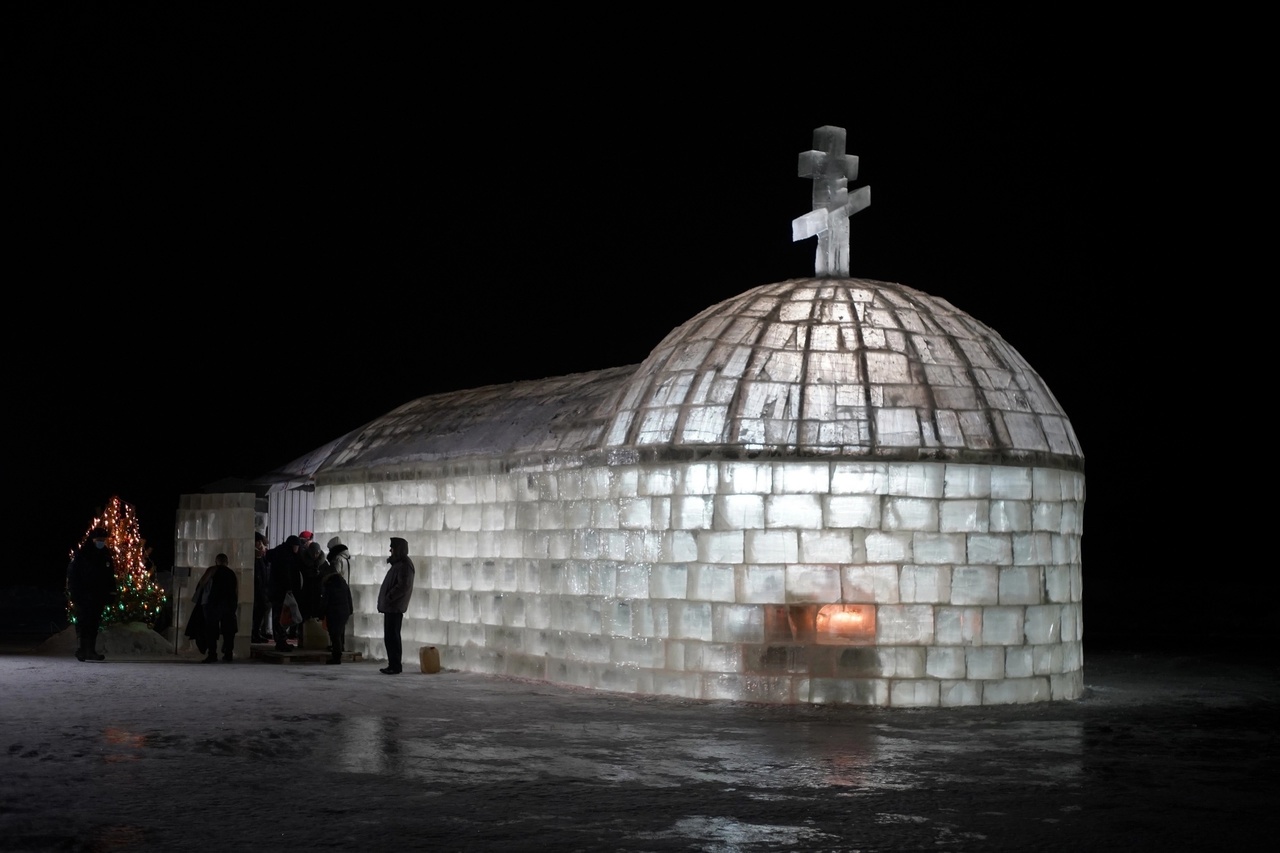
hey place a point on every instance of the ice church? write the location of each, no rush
(822, 490)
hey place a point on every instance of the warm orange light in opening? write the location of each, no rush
(846, 623)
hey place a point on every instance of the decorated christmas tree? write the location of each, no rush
(139, 598)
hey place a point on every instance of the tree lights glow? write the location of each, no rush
(139, 598)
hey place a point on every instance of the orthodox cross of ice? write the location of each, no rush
(831, 170)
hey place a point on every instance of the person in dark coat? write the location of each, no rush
(393, 601)
(338, 608)
(311, 565)
(219, 594)
(261, 593)
(91, 584)
(285, 578)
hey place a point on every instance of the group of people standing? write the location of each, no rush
(298, 570)
(296, 573)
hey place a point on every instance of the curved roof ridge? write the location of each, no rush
(551, 416)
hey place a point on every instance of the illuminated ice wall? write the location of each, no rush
(822, 490)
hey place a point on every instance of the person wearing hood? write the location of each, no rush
(336, 595)
(91, 584)
(284, 578)
(339, 558)
(393, 601)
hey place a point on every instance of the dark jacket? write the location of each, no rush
(261, 572)
(218, 599)
(338, 605)
(91, 577)
(223, 593)
(312, 566)
(397, 586)
(284, 576)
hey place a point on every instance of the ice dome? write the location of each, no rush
(842, 367)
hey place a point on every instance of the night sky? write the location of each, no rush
(244, 234)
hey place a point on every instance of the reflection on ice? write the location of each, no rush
(857, 755)
(726, 835)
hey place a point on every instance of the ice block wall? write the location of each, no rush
(708, 580)
(208, 525)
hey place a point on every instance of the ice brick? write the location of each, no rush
(825, 546)
(792, 478)
(965, 516)
(945, 662)
(694, 512)
(959, 694)
(870, 584)
(771, 546)
(739, 512)
(990, 549)
(860, 478)
(678, 546)
(904, 623)
(816, 583)
(984, 662)
(746, 478)
(916, 480)
(737, 623)
(938, 548)
(1030, 549)
(967, 481)
(888, 547)
(711, 582)
(1012, 483)
(720, 547)
(1016, 691)
(1021, 585)
(974, 585)
(761, 584)
(852, 511)
(800, 511)
(925, 584)
(1018, 662)
(691, 620)
(913, 693)
(1003, 626)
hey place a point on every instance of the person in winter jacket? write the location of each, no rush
(218, 592)
(393, 601)
(260, 631)
(91, 584)
(339, 558)
(284, 578)
(311, 565)
(337, 609)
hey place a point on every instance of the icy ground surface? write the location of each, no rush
(152, 751)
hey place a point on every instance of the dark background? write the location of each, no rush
(242, 234)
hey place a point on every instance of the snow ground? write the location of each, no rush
(151, 750)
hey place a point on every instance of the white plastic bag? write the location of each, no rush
(291, 613)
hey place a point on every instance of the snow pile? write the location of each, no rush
(119, 640)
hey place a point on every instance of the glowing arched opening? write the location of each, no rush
(846, 623)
